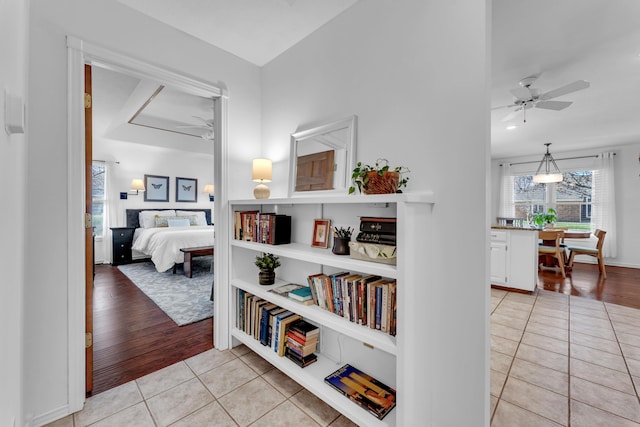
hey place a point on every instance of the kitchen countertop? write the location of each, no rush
(510, 227)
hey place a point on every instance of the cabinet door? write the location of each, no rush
(499, 263)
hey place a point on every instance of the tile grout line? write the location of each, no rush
(635, 388)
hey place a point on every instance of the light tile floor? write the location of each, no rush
(559, 360)
(556, 360)
(214, 388)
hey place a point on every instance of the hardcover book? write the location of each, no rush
(378, 224)
(376, 397)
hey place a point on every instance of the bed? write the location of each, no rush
(161, 233)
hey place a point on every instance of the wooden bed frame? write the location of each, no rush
(133, 221)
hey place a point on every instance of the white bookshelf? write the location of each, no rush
(390, 359)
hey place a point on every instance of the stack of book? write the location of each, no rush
(378, 230)
(268, 228)
(365, 299)
(302, 340)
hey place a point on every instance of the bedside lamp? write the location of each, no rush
(209, 189)
(137, 185)
(261, 173)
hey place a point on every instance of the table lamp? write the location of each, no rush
(261, 173)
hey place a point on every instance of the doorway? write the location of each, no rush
(81, 53)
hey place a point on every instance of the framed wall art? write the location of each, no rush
(156, 188)
(321, 232)
(186, 190)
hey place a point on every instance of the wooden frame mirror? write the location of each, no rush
(322, 158)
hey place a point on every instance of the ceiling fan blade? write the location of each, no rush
(553, 105)
(571, 87)
(521, 93)
(511, 115)
(503, 106)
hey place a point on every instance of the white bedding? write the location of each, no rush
(163, 243)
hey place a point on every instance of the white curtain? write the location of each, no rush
(506, 208)
(110, 210)
(603, 205)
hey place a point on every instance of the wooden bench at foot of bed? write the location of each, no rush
(190, 253)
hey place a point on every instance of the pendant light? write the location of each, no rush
(548, 175)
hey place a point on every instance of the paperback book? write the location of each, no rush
(374, 396)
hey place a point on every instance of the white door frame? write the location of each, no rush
(80, 53)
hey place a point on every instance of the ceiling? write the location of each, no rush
(565, 41)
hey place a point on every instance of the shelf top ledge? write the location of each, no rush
(417, 197)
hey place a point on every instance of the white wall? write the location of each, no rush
(405, 69)
(115, 26)
(13, 79)
(126, 161)
(627, 184)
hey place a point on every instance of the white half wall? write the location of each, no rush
(404, 69)
(13, 80)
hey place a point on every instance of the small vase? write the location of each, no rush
(341, 245)
(266, 276)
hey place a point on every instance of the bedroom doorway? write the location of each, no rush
(82, 54)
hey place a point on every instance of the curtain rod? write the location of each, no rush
(564, 158)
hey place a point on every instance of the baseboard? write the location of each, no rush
(48, 417)
(607, 262)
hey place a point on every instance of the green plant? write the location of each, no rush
(360, 177)
(268, 261)
(542, 218)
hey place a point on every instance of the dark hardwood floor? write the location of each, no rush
(622, 285)
(132, 337)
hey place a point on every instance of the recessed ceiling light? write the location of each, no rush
(511, 127)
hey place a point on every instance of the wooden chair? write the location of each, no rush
(550, 247)
(594, 252)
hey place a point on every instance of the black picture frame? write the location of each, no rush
(156, 188)
(186, 190)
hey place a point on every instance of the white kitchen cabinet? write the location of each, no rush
(514, 258)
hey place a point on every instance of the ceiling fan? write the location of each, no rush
(207, 126)
(527, 97)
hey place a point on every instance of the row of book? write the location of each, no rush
(284, 331)
(268, 228)
(368, 300)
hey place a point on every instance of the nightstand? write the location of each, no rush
(122, 239)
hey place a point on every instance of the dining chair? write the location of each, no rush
(550, 247)
(594, 252)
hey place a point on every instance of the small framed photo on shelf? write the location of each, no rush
(186, 190)
(156, 188)
(321, 231)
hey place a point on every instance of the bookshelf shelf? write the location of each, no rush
(392, 360)
(312, 378)
(372, 337)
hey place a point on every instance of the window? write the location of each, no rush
(571, 198)
(98, 197)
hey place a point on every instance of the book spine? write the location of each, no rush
(373, 225)
(384, 318)
(380, 238)
(378, 306)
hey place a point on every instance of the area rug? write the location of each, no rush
(184, 300)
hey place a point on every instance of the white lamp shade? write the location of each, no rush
(208, 189)
(545, 178)
(137, 184)
(261, 170)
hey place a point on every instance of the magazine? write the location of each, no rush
(366, 391)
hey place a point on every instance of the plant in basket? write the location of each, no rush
(267, 263)
(379, 178)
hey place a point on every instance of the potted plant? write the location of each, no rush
(545, 219)
(379, 178)
(267, 263)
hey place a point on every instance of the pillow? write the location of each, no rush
(163, 221)
(178, 222)
(200, 215)
(147, 219)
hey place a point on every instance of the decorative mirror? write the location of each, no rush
(322, 158)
